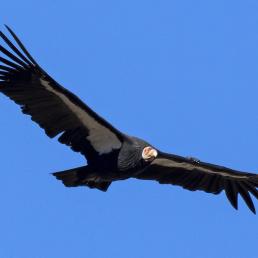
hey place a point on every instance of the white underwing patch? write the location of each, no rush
(101, 138)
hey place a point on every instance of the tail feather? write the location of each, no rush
(81, 176)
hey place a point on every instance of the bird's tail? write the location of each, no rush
(82, 176)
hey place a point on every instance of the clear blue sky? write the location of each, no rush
(182, 75)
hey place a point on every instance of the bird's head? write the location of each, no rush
(149, 154)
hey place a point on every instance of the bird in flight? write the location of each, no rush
(111, 155)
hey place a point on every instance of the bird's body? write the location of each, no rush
(111, 155)
(119, 164)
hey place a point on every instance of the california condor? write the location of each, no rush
(111, 155)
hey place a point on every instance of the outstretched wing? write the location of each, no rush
(54, 108)
(194, 175)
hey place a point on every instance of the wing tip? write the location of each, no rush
(7, 27)
(22, 47)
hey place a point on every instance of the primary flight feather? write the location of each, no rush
(111, 155)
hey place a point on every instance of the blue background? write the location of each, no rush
(182, 75)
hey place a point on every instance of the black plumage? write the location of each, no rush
(111, 155)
